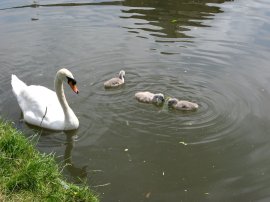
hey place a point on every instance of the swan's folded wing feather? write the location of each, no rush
(37, 103)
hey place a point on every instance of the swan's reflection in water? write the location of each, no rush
(78, 173)
(61, 144)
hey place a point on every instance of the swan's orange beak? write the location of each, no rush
(73, 87)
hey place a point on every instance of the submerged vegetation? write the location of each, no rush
(27, 175)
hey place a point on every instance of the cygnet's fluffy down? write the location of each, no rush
(115, 82)
(148, 97)
(182, 104)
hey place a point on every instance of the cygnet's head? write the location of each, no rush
(172, 101)
(122, 74)
(158, 98)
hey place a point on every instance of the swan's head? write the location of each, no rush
(122, 74)
(158, 98)
(172, 101)
(66, 75)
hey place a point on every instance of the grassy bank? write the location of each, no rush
(27, 175)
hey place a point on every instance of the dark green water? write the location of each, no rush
(215, 53)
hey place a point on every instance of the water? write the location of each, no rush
(215, 53)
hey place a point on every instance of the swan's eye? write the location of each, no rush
(72, 81)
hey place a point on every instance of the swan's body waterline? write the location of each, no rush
(44, 107)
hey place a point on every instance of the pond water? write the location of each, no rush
(213, 52)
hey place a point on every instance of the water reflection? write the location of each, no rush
(168, 19)
(163, 19)
(78, 173)
(36, 4)
(62, 144)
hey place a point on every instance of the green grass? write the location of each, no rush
(27, 175)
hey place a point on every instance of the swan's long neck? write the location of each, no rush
(70, 118)
(59, 89)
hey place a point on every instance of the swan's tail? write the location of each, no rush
(17, 84)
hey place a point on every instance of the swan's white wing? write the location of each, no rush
(40, 104)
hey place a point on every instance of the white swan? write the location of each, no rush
(44, 107)
(148, 97)
(115, 82)
(182, 104)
